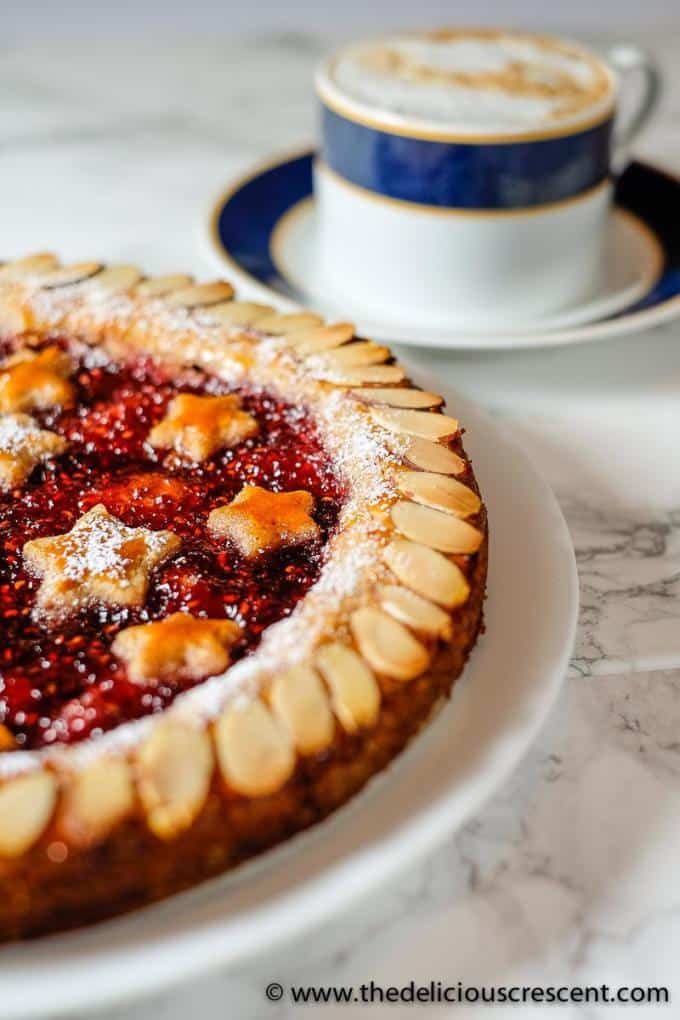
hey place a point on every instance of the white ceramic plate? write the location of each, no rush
(436, 785)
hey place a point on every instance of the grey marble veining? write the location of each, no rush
(629, 568)
(569, 875)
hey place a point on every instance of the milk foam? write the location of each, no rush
(479, 81)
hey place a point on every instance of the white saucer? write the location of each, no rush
(434, 787)
(632, 263)
(265, 228)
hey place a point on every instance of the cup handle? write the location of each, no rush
(627, 59)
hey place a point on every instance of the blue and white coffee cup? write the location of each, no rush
(466, 175)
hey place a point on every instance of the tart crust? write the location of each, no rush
(333, 692)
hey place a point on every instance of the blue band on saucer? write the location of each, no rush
(466, 175)
(247, 215)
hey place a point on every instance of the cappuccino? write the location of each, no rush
(478, 81)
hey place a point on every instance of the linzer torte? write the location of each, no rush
(242, 559)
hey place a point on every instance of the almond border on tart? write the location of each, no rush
(332, 693)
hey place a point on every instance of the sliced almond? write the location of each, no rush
(364, 376)
(30, 265)
(425, 424)
(354, 691)
(26, 807)
(427, 572)
(254, 750)
(361, 352)
(174, 767)
(398, 396)
(439, 530)
(201, 294)
(387, 645)
(96, 800)
(116, 280)
(299, 699)
(428, 456)
(290, 322)
(237, 313)
(321, 338)
(159, 286)
(419, 613)
(65, 276)
(440, 492)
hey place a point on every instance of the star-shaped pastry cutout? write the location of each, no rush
(99, 560)
(258, 520)
(180, 646)
(23, 445)
(31, 380)
(196, 427)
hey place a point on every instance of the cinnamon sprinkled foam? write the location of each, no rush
(475, 80)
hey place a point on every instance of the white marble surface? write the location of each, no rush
(569, 876)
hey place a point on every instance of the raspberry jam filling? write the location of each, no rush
(60, 682)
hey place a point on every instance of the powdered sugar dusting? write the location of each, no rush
(23, 444)
(362, 442)
(96, 546)
(16, 433)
